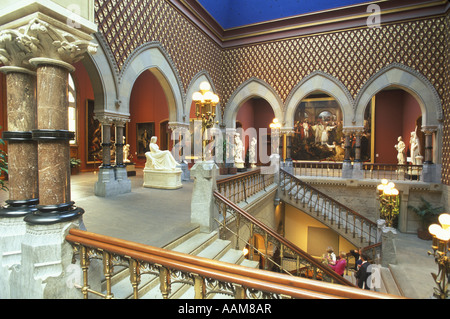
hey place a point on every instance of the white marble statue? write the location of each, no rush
(252, 152)
(400, 147)
(126, 153)
(239, 148)
(415, 149)
(159, 160)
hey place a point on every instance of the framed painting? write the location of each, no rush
(93, 135)
(144, 132)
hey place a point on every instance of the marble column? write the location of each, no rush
(347, 168)
(120, 170)
(22, 150)
(430, 172)
(53, 138)
(428, 146)
(358, 172)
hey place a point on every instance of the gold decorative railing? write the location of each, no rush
(284, 252)
(207, 277)
(322, 169)
(328, 209)
(240, 187)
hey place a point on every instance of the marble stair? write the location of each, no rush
(207, 245)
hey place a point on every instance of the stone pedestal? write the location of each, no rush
(347, 169)
(185, 173)
(170, 179)
(358, 172)
(388, 251)
(46, 270)
(131, 169)
(203, 209)
(239, 164)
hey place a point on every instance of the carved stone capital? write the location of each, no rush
(39, 39)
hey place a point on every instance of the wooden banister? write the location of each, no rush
(261, 280)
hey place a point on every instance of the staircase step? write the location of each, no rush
(216, 249)
(232, 256)
(196, 243)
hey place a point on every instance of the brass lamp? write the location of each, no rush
(441, 237)
(205, 103)
(275, 127)
(389, 201)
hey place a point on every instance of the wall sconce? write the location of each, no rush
(441, 237)
(389, 201)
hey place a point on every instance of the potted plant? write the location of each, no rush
(74, 165)
(3, 167)
(428, 215)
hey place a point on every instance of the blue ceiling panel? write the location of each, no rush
(236, 13)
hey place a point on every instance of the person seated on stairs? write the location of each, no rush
(341, 263)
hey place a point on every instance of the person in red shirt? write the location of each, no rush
(340, 265)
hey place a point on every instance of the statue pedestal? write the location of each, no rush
(239, 164)
(170, 179)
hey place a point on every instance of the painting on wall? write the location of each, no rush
(144, 133)
(94, 135)
(318, 132)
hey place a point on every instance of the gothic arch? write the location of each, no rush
(319, 81)
(152, 57)
(253, 87)
(401, 76)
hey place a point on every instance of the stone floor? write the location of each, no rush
(157, 217)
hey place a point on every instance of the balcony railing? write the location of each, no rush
(370, 170)
(285, 254)
(207, 277)
(240, 187)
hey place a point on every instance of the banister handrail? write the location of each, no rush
(245, 277)
(238, 176)
(283, 241)
(368, 221)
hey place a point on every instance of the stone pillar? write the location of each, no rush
(120, 170)
(203, 208)
(22, 154)
(22, 150)
(53, 46)
(429, 169)
(347, 169)
(181, 137)
(358, 172)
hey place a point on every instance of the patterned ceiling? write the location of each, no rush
(237, 13)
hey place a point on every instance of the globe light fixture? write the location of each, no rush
(389, 201)
(441, 237)
(205, 109)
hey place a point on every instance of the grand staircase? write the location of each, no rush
(206, 245)
(357, 229)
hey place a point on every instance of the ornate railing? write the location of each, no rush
(207, 277)
(392, 172)
(284, 252)
(370, 170)
(328, 210)
(240, 187)
(322, 169)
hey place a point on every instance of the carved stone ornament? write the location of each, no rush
(39, 39)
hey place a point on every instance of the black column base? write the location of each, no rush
(18, 208)
(54, 214)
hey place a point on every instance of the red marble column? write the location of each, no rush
(22, 150)
(53, 138)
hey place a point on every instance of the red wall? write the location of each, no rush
(396, 112)
(84, 92)
(148, 103)
(256, 113)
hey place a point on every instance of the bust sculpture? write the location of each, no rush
(159, 160)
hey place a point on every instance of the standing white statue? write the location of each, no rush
(400, 147)
(252, 152)
(126, 153)
(238, 150)
(415, 149)
(159, 160)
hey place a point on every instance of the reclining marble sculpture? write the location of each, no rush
(161, 169)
